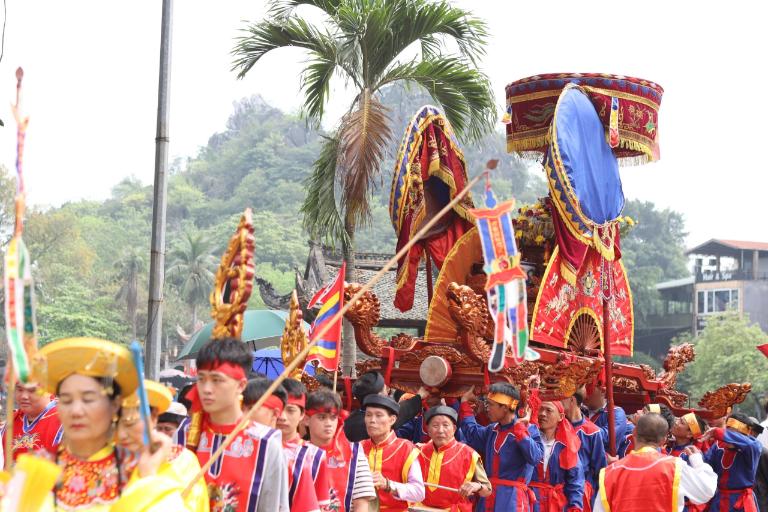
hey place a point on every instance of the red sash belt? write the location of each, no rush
(746, 500)
(519, 484)
(587, 502)
(551, 497)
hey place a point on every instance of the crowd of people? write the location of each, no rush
(303, 452)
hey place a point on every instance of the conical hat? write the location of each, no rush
(158, 395)
(92, 357)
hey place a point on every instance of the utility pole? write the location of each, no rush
(157, 259)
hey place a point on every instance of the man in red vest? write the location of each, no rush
(396, 472)
(351, 484)
(647, 480)
(451, 464)
(36, 424)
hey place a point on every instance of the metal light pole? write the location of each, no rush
(157, 261)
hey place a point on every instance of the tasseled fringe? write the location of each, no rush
(531, 148)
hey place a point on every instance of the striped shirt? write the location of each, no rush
(363, 487)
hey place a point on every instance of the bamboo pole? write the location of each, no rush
(246, 419)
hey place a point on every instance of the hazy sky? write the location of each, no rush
(91, 90)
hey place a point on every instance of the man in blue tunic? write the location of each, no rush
(511, 448)
(597, 406)
(734, 457)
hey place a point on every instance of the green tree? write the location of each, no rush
(7, 205)
(191, 270)
(368, 43)
(129, 268)
(72, 308)
(653, 251)
(725, 353)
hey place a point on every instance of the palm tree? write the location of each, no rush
(129, 268)
(191, 269)
(371, 44)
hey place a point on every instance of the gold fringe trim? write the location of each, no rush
(527, 143)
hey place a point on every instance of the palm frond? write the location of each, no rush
(463, 92)
(284, 8)
(321, 215)
(364, 135)
(270, 34)
(432, 24)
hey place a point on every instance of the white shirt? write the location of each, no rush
(549, 445)
(763, 437)
(698, 483)
(412, 491)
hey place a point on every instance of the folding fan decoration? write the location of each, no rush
(505, 288)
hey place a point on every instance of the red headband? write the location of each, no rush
(274, 403)
(301, 401)
(324, 410)
(230, 370)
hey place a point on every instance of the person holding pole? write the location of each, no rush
(91, 377)
(453, 466)
(396, 472)
(734, 456)
(182, 464)
(251, 474)
(511, 445)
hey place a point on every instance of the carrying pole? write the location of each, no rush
(609, 376)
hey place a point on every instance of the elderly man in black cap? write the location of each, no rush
(372, 383)
(453, 466)
(396, 472)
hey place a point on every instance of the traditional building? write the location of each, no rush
(322, 266)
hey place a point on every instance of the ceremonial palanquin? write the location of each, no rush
(580, 127)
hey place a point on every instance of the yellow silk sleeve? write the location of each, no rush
(183, 469)
(150, 494)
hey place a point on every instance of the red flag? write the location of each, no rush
(328, 349)
(763, 349)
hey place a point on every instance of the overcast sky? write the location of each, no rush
(91, 90)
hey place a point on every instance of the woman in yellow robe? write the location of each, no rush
(182, 464)
(90, 377)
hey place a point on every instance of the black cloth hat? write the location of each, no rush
(383, 402)
(369, 383)
(442, 410)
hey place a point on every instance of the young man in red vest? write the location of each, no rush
(351, 483)
(299, 452)
(36, 424)
(393, 461)
(558, 480)
(251, 474)
(648, 480)
(449, 463)
(302, 496)
(592, 450)
(734, 456)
